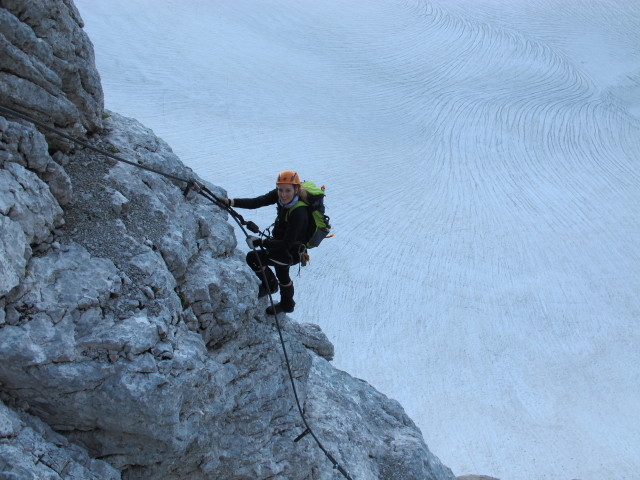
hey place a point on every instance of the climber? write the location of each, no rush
(286, 246)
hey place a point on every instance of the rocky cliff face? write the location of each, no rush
(132, 344)
(47, 65)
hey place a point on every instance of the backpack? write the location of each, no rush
(318, 222)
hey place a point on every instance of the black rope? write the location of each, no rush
(192, 185)
(308, 429)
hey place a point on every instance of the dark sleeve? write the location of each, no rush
(257, 202)
(297, 226)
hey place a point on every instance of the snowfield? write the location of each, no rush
(481, 159)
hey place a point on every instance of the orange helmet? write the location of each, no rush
(288, 176)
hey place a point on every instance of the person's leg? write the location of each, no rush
(286, 303)
(258, 261)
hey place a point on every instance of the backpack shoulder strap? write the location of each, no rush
(300, 203)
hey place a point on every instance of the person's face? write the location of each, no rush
(286, 193)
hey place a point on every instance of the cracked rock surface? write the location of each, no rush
(29, 448)
(48, 65)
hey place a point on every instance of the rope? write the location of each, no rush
(208, 194)
(308, 429)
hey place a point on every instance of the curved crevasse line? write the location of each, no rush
(525, 130)
(545, 103)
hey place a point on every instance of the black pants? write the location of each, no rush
(280, 261)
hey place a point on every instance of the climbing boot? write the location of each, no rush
(286, 304)
(272, 283)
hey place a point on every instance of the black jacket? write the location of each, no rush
(290, 229)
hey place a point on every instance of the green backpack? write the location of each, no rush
(318, 222)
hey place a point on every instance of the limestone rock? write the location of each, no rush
(48, 68)
(13, 244)
(217, 294)
(31, 449)
(313, 338)
(348, 411)
(29, 206)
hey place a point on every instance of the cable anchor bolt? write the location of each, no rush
(301, 436)
(191, 189)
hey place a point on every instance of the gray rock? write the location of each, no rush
(28, 201)
(119, 202)
(13, 246)
(312, 337)
(65, 281)
(48, 68)
(216, 290)
(31, 449)
(348, 411)
(29, 210)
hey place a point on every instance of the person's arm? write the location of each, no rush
(257, 202)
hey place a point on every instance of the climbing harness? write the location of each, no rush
(197, 187)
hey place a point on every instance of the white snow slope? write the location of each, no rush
(481, 163)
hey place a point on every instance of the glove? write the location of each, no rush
(254, 242)
(227, 202)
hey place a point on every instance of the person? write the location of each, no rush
(286, 246)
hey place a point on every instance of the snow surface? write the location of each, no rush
(481, 164)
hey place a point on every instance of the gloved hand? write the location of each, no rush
(254, 242)
(227, 202)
